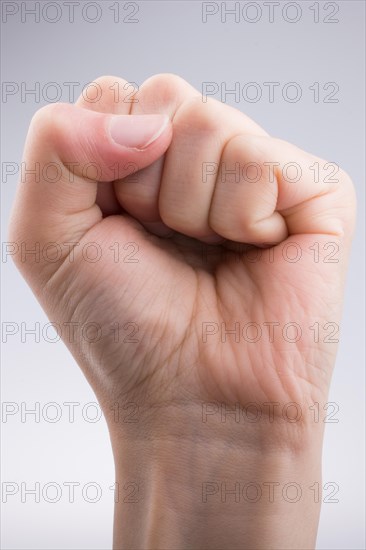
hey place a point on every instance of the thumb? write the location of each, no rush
(68, 151)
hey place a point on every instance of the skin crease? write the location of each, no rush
(181, 282)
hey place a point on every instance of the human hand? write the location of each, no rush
(207, 215)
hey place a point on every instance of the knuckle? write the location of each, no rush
(46, 114)
(193, 113)
(110, 90)
(106, 81)
(46, 123)
(247, 148)
(164, 90)
(165, 81)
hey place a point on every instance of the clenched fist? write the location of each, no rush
(197, 248)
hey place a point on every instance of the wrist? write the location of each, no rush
(185, 480)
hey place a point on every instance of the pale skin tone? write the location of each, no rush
(189, 218)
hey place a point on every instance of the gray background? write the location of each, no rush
(171, 37)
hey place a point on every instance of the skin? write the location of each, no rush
(195, 239)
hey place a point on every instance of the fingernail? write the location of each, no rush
(137, 131)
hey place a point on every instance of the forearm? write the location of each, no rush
(189, 489)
